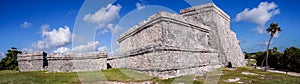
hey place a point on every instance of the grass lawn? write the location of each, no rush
(38, 77)
(262, 77)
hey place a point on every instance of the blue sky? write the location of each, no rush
(48, 25)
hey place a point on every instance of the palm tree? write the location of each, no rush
(273, 29)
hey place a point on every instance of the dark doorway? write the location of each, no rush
(108, 66)
(229, 65)
(45, 61)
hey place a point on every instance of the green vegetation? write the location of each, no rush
(288, 60)
(129, 76)
(38, 77)
(10, 61)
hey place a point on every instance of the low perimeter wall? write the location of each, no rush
(76, 62)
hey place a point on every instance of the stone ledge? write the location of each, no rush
(171, 68)
(206, 6)
(162, 17)
(73, 58)
(91, 54)
(31, 54)
(156, 48)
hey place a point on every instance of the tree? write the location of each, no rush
(273, 29)
(10, 61)
(291, 59)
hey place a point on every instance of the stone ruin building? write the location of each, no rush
(167, 45)
(62, 62)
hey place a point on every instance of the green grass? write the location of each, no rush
(15, 77)
(263, 77)
(129, 76)
(38, 77)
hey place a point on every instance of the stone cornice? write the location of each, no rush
(207, 7)
(162, 18)
(156, 48)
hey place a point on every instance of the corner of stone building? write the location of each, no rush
(220, 36)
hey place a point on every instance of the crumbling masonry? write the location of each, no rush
(62, 62)
(170, 45)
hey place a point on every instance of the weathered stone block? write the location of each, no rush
(31, 61)
(220, 37)
(77, 62)
(169, 45)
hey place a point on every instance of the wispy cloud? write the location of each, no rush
(141, 4)
(89, 47)
(25, 24)
(259, 15)
(104, 15)
(72, 11)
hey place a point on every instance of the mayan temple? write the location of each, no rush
(170, 45)
(166, 45)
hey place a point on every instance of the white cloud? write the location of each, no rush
(102, 49)
(259, 15)
(111, 28)
(59, 37)
(140, 6)
(44, 28)
(53, 39)
(104, 31)
(62, 50)
(26, 50)
(114, 28)
(25, 24)
(89, 47)
(104, 15)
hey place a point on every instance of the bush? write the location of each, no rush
(289, 60)
(10, 61)
(259, 58)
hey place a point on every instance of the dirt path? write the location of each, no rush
(283, 72)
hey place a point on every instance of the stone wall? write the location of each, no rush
(62, 62)
(167, 63)
(221, 36)
(31, 61)
(167, 46)
(77, 62)
(168, 30)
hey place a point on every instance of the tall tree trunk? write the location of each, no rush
(267, 55)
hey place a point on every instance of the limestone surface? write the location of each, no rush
(170, 45)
